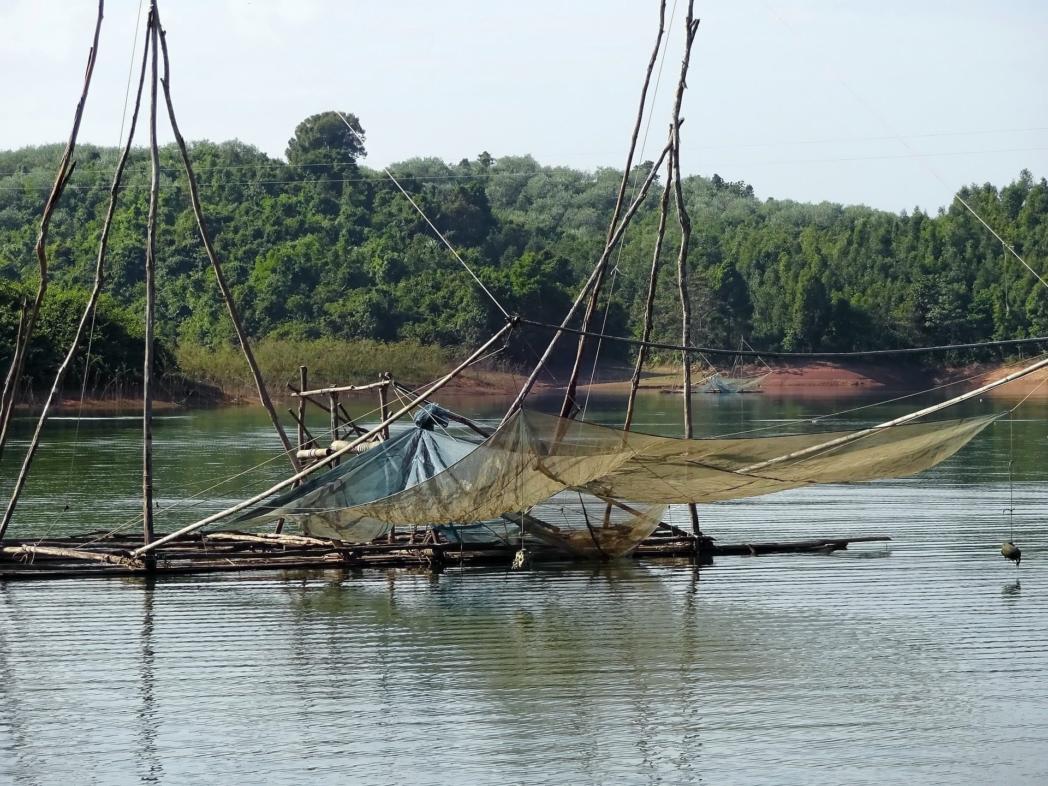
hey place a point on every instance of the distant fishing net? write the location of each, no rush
(718, 383)
(533, 459)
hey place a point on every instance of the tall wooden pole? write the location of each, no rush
(691, 27)
(333, 414)
(544, 359)
(147, 366)
(8, 397)
(649, 301)
(209, 247)
(383, 402)
(568, 407)
(303, 380)
(13, 373)
(89, 308)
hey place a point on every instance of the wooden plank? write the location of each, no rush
(340, 389)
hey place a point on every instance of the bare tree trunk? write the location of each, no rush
(569, 405)
(89, 309)
(223, 286)
(65, 170)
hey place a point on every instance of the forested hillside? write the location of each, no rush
(321, 246)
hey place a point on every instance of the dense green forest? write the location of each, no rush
(320, 246)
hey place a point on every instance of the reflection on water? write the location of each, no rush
(922, 663)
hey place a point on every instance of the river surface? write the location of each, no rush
(920, 661)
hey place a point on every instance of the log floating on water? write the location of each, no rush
(101, 554)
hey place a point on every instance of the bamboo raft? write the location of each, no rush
(98, 554)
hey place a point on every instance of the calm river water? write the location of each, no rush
(920, 661)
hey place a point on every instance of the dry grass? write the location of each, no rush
(330, 361)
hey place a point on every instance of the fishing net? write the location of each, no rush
(718, 383)
(526, 468)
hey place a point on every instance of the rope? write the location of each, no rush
(1013, 342)
(1007, 245)
(130, 73)
(633, 195)
(871, 405)
(1011, 483)
(425, 218)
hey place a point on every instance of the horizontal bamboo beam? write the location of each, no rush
(277, 540)
(342, 389)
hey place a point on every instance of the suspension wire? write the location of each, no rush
(425, 218)
(871, 405)
(1011, 342)
(130, 72)
(920, 157)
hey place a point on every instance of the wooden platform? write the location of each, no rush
(104, 555)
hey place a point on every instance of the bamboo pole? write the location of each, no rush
(23, 315)
(569, 405)
(530, 382)
(349, 421)
(89, 308)
(429, 391)
(455, 417)
(147, 365)
(303, 380)
(649, 301)
(276, 540)
(690, 27)
(223, 286)
(306, 436)
(333, 413)
(383, 402)
(382, 383)
(65, 171)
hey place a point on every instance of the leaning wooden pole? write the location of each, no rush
(150, 282)
(9, 397)
(649, 300)
(89, 309)
(569, 406)
(260, 497)
(9, 379)
(544, 359)
(691, 27)
(209, 247)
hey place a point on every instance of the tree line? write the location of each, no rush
(320, 245)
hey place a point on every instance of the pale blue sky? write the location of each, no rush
(805, 99)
